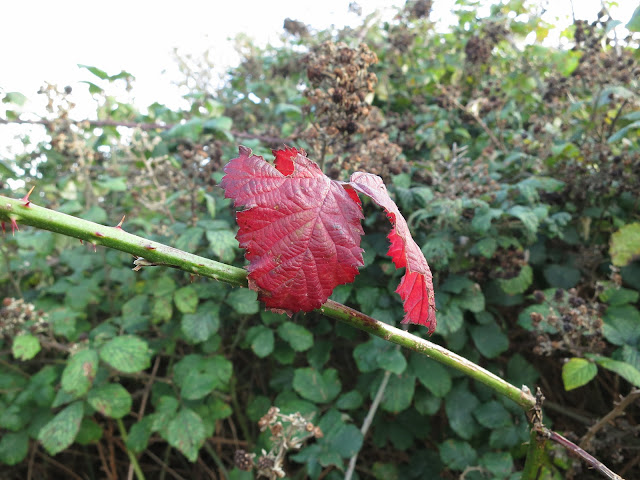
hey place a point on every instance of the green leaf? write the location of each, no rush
(349, 401)
(78, 375)
(16, 98)
(620, 134)
(90, 432)
(457, 455)
(25, 346)
(385, 471)
(186, 299)
(111, 400)
(117, 184)
(101, 74)
(634, 23)
(296, 335)
(392, 360)
(139, 434)
(60, 432)
(198, 327)
(485, 247)
(460, 404)
(315, 386)
(191, 129)
(562, 276)
(619, 296)
(197, 376)
(518, 284)
(626, 371)
(244, 301)
(500, 464)
(261, 339)
(489, 339)
(223, 244)
(431, 374)
(622, 325)
(398, 394)
(186, 433)
(13, 447)
(127, 353)
(578, 372)
(492, 415)
(625, 245)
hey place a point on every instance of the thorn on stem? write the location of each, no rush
(14, 227)
(149, 247)
(81, 242)
(119, 226)
(98, 234)
(25, 199)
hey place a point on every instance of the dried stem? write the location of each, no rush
(609, 417)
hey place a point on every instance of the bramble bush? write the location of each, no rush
(517, 166)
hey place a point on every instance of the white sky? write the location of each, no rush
(44, 40)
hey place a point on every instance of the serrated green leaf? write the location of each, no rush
(223, 244)
(457, 455)
(489, 339)
(90, 432)
(392, 360)
(261, 339)
(460, 404)
(25, 346)
(296, 335)
(315, 386)
(578, 372)
(16, 98)
(197, 376)
(186, 299)
(500, 464)
(81, 370)
(139, 434)
(127, 353)
(111, 400)
(198, 327)
(626, 371)
(399, 392)
(244, 301)
(14, 447)
(431, 374)
(60, 432)
(186, 433)
(349, 401)
(492, 415)
(622, 325)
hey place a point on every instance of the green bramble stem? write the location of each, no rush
(148, 253)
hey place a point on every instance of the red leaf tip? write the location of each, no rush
(284, 159)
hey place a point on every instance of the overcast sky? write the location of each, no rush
(44, 40)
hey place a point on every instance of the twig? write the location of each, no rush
(221, 469)
(141, 126)
(584, 455)
(59, 465)
(163, 465)
(368, 420)
(618, 410)
(497, 143)
(134, 465)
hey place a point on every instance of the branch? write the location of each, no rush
(140, 125)
(617, 411)
(149, 253)
(584, 455)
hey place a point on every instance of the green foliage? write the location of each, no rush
(517, 170)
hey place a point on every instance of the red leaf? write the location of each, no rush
(301, 230)
(416, 286)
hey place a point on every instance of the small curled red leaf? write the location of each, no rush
(416, 286)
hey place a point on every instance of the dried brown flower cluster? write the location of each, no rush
(576, 321)
(478, 48)
(346, 127)
(16, 313)
(288, 432)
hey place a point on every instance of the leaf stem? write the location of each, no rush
(132, 457)
(154, 253)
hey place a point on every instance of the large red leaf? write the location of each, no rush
(301, 230)
(416, 286)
